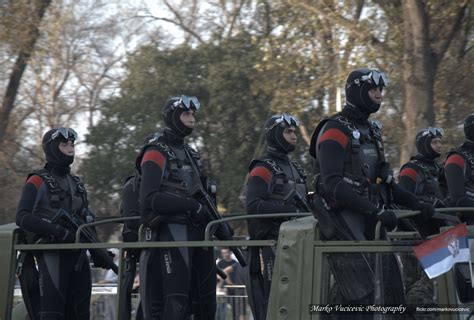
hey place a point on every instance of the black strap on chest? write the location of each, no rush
(281, 177)
(173, 161)
(427, 176)
(56, 193)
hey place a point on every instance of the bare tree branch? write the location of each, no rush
(440, 47)
(179, 24)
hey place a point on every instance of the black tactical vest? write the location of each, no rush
(289, 183)
(427, 188)
(178, 176)
(63, 192)
(361, 164)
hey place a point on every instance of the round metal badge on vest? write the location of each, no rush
(356, 134)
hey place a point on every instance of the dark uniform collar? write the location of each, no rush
(172, 138)
(276, 154)
(56, 169)
(355, 113)
(421, 158)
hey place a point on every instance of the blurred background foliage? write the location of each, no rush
(107, 68)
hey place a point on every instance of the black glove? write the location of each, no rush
(385, 174)
(199, 215)
(387, 217)
(64, 235)
(427, 211)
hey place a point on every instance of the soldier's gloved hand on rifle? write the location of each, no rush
(387, 217)
(199, 215)
(98, 260)
(427, 211)
(63, 235)
(385, 173)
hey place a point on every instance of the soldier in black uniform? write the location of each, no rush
(275, 185)
(420, 176)
(171, 208)
(459, 171)
(64, 275)
(355, 188)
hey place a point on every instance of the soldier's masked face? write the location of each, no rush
(188, 118)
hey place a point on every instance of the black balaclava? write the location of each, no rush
(357, 95)
(469, 128)
(274, 136)
(54, 156)
(173, 123)
(423, 144)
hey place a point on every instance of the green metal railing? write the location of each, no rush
(299, 240)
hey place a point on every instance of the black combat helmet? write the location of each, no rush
(51, 140)
(469, 127)
(423, 141)
(358, 84)
(172, 111)
(274, 128)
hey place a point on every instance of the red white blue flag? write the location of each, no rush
(438, 255)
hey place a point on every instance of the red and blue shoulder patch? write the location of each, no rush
(154, 156)
(455, 159)
(261, 172)
(336, 135)
(408, 172)
(36, 181)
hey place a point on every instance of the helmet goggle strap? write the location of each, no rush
(66, 133)
(187, 103)
(286, 119)
(375, 77)
(435, 132)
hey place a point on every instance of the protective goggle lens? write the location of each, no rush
(436, 132)
(289, 119)
(285, 119)
(66, 133)
(188, 103)
(376, 77)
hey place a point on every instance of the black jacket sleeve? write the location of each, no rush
(408, 177)
(404, 197)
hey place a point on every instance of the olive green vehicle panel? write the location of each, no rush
(293, 276)
(300, 274)
(7, 267)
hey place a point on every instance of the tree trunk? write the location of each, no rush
(422, 55)
(8, 103)
(419, 68)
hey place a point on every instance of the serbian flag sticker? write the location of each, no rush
(438, 255)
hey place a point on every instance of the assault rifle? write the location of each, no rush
(297, 199)
(224, 231)
(72, 222)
